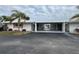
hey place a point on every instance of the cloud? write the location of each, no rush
(42, 12)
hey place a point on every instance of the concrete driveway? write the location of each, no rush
(39, 43)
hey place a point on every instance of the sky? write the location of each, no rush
(42, 12)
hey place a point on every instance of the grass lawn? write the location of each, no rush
(13, 33)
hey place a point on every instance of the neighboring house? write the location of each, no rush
(44, 26)
(74, 25)
(1, 26)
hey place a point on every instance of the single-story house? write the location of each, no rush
(44, 26)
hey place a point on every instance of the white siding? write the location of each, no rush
(63, 27)
(28, 27)
(10, 26)
(72, 27)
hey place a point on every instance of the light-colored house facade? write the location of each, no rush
(27, 26)
(44, 26)
(73, 25)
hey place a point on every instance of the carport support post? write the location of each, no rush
(35, 27)
(63, 27)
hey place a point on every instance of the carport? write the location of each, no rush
(53, 27)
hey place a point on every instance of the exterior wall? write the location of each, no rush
(63, 27)
(35, 27)
(72, 27)
(66, 27)
(28, 27)
(10, 26)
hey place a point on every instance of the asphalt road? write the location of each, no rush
(39, 43)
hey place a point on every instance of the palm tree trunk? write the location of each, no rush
(19, 24)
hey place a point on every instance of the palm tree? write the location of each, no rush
(19, 15)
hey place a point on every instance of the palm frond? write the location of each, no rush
(76, 16)
(14, 10)
(6, 18)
